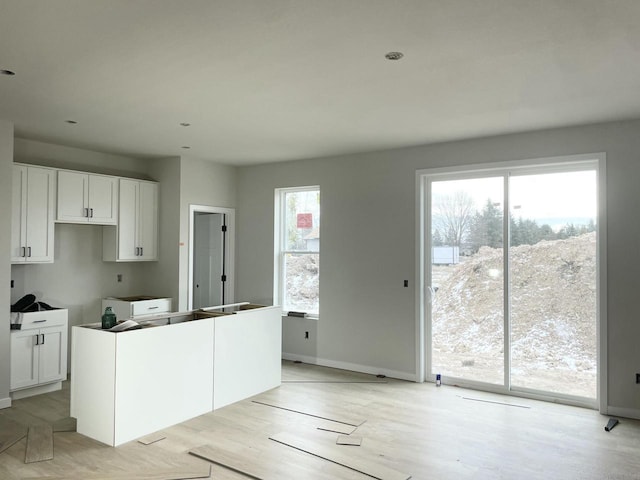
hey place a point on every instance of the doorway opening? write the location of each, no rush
(211, 241)
(511, 262)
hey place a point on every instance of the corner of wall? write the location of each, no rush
(6, 161)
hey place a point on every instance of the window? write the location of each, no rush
(297, 249)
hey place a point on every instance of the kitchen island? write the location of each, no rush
(128, 384)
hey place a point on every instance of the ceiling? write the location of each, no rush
(272, 80)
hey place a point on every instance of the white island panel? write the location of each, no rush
(164, 376)
(129, 384)
(93, 373)
(248, 348)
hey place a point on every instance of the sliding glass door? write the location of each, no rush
(552, 277)
(519, 314)
(466, 288)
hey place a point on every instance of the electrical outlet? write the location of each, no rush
(306, 334)
(119, 277)
(637, 377)
(406, 283)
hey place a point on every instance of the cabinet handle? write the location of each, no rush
(40, 321)
(91, 212)
(137, 251)
(86, 212)
(37, 339)
(141, 251)
(24, 252)
(29, 250)
(42, 339)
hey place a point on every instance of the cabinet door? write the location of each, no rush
(128, 220)
(52, 361)
(39, 215)
(103, 200)
(18, 224)
(73, 197)
(148, 221)
(24, 359)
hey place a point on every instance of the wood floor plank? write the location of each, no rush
(10, 433)
(349, 440)
(347, 421)
(68, 424)
(233, 461)
(335, 427)
(39, 443)
(335, 454)
(164, 474)
(153, 438)
(495, 403)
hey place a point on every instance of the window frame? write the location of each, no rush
(279, 243)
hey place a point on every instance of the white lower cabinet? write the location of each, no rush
(39, 353)
(136, 307)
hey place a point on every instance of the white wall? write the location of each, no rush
(6, 161)
(367, 318)
(201, 183)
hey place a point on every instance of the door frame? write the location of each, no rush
(423, 272)
(229, 252)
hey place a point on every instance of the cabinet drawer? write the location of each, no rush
(49, 318)
(151, 307)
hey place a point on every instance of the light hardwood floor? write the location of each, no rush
(418, 429)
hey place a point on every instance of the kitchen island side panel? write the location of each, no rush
(164, 376)
(93, 373)
(248, 354)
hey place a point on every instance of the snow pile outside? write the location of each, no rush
(553, 316)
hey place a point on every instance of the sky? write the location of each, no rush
(545, 197)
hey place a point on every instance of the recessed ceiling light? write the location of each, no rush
(7, 72)
(186, 147)
(394, 55)
(71, 122)
(185, 124)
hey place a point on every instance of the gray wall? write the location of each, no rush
(368, 243)
(6, 161)
(201, 183)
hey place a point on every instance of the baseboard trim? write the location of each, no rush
(354, 367)
(5, 402)
(37, 390)
(623, 412)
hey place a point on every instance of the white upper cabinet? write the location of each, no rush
(136, 236)
(87, 198)
(32, 214)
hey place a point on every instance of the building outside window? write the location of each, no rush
(297, 249)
